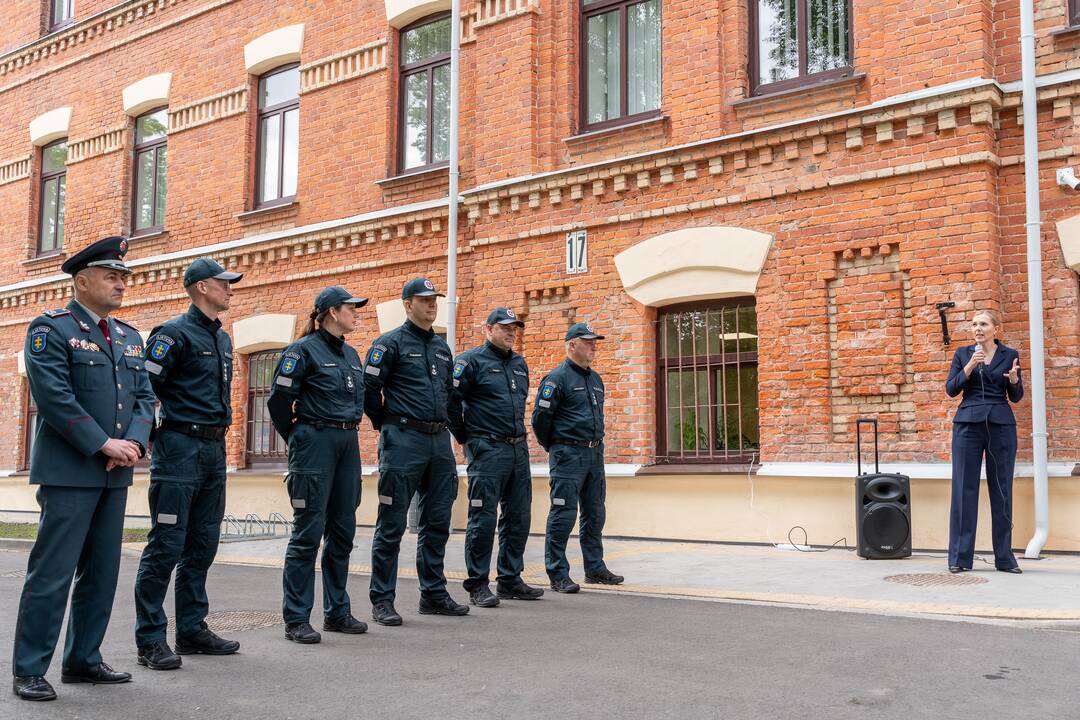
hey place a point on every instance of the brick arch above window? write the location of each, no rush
(703, 263)
(146, 94)
(274, 49)
(50, 126)
(1069, 237)
(391, 314)
(400, 13)
(268, 331)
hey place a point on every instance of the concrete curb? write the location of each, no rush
(24, 544)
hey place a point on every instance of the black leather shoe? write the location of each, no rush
(604, 577)
(385, 614)
(302, 633)
(159, 656)
(345, 624)
(443, 606)
(33, 687)
(100, 675)
(1015, 570)
(520, 591)
(956, 569)
(482, 597)
(205, 642)
(565, 585)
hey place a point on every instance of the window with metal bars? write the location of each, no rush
(707, 378)
(29, 427)
(264, 445)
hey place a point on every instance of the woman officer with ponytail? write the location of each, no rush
(316, 402)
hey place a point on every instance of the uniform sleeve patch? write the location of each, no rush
(544, 403)
(547, 390)
(289, 362)
(38, 339)
(160, 348)
(458, 369)
(372, 370)
(152, 366)
(284, 381)
(377, 346)
(375, 355)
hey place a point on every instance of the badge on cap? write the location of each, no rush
(510, 313)
(123, 246)
(428, 285)
(37, 338)
(588, 327)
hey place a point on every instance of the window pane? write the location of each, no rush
(280, 87)
(62, 10)
(270, 134)
(602, 36)
(440, 98)
(748, 329)
(60, 202)
(49, 199)
(416, 130)
(826, 35)
(778, 40)
(151, 126)
(290, 162)
(159, 201)
(643, 50)
(144, 190)
(688, 411)
(54, 157)
(425, 41)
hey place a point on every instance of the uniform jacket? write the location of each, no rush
(407, 372)
(190, 360)
(489, 391)
(323, 375)
(87, 391)
(569, 405)
(986, 392)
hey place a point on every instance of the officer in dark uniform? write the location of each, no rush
(316, 403)
(407, 379)
(487, 416)
(95, 408)
(568, 420)
(189, 360)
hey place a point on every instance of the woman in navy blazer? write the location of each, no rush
(988, 375)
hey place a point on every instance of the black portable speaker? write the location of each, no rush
(882, 507)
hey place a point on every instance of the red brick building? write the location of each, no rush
(759, 202)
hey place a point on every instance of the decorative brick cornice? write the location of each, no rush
(347, 65)
(216, 107)
(12, 170)
(89, 34)
(489, 12)
(101, 144)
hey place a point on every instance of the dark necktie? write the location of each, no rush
(104, 325)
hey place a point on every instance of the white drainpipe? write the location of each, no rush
(452, 206)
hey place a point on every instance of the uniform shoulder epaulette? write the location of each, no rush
(57, 312)
(126, 323)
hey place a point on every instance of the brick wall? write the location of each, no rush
(876, 214)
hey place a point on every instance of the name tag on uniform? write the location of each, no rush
(442, 357)
(415, 355)
(206, 353)
(543, 403)
(152, 367)
(284, 381)
(372, 370)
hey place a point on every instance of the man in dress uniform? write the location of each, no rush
(189, 360)
(487, 416)
(407, 380)
(95, 408)
(568, 420)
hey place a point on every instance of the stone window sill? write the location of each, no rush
(148, 235)
(1066, 32)
(413, 176)
(615, 129)
(46, 258)
(766, 98)
(260, 213)
(698, 469)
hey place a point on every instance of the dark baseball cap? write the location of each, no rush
(419, 287)
(334, 296)
(107, 253)
(504, 316)
(205, 269)
(582, 331)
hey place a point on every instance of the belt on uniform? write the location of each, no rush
(499, 438)
(431, 428)
(337, 425)
(577, 443)
(207, 432)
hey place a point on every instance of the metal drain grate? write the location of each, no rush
(935, 579)
(237, 620)
(13, 574)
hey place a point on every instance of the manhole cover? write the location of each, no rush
(237, 620)
(935, 579)
(14, 574)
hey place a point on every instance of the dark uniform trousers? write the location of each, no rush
(324, 490)
(187, 505)
(971, 442)
(79, 534)
(412, 461)
(499, 478)
(577, 478)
